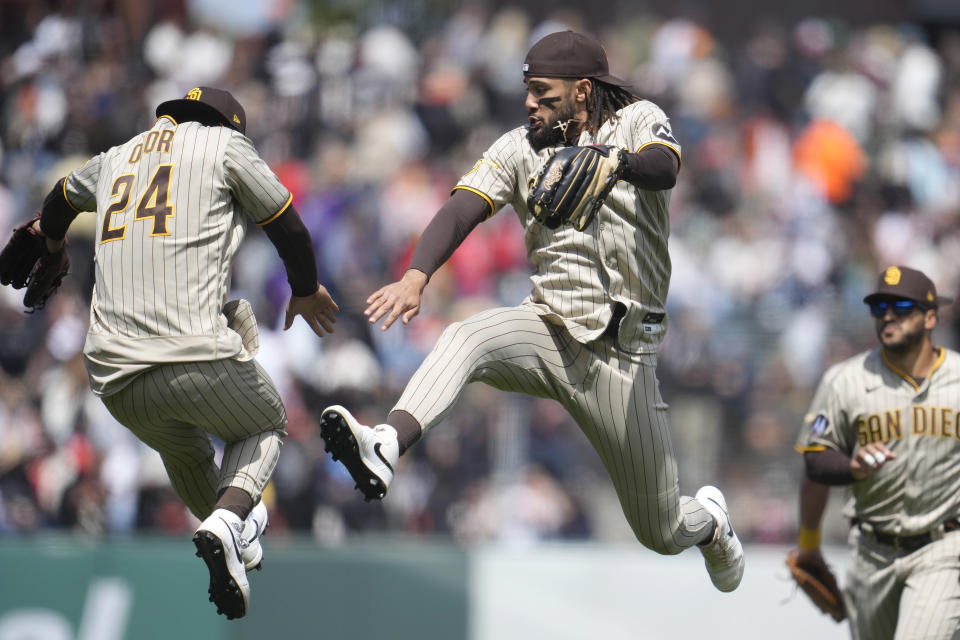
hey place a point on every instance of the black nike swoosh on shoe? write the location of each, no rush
(236, 547)
(376, 450)
(729, 526)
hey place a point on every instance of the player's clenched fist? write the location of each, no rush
(318, 309)
(400, 299)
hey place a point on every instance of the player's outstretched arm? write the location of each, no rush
(461, 213)
(400, 299)
(318, 310)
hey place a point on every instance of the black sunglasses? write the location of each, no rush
(900, 307)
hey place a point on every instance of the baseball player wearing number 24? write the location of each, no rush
(172, 359)
(886, 423)
(588, 333)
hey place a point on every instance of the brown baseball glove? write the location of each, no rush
(571, 186)
(26, 262)
(815, 578)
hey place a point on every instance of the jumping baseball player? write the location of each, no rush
(889, 428)
(588, 333)
(170, 358)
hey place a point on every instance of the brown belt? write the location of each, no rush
(910, 543)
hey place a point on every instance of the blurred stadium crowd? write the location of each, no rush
(815, 153)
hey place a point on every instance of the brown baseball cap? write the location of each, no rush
(904, 282)
(568, 54)
(206, 105)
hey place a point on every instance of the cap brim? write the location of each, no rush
(614, 80)
(940, 301)
(182, 110)
(873, 296)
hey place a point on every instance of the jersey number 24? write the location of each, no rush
(153, 203)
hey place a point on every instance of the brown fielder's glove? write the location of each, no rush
(817, 581)
(26, 262)
(570, 187)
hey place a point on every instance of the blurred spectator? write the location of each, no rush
(815, 154)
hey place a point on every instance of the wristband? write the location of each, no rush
(808, 539)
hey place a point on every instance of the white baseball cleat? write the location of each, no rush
(253, 529)
(724, 554)
(218, 543)
(370, 454)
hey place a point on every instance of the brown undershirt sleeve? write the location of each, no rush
(292, 241)
(56, 214)
(828, 467)
(653, 168)
(459, 215)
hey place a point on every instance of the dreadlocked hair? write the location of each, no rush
(605, 100)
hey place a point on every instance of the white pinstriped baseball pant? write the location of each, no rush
(173, 407)
(895, 595)
(613, 396)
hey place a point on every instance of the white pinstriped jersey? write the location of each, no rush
(818, 405)
(620, 257)
(171, 205)
(865, 399)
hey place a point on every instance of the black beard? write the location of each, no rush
(550, 134)
(907, 342)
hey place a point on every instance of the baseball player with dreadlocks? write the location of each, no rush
(172, 359)
(587, 335)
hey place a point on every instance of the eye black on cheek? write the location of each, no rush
(549, 102)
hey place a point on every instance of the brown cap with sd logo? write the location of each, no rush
(904, 282)
(208, 106)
